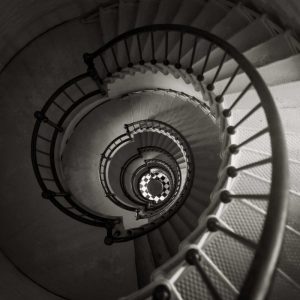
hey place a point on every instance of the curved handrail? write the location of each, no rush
(146, 211)
(61, 197)
(260, 274)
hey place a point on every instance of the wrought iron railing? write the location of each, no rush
(142, 208)
(50, 123)
(193, 64)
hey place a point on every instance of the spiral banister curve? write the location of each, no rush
(267, 250)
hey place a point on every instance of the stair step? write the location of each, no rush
(158, 247)
(249, 156)
(143, 260)
(255, 33)
(109, 22)
(212, 13)
(109, 28)
(201, 194)
(290, 257)
(196, 207)
(166, 11)
(126, 21)
(239, 216)
(147, 10)
(127, 15)
(232, 23)
(289, 72)
(170, 237)
(259, 56)
(233, 260)
(186, 13)
(180, 227)
(188, 217)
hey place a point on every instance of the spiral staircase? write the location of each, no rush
(169, 139)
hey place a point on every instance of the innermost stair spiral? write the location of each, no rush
(143, 138)
(155, 185)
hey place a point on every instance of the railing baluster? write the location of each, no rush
(193, 258)
(190, 68)
(48, 179)
(130, 64)
(219, 98)
(251, 196)
(166, 62)
(233, 148)
(252, 111)
(227, 111)
(213, 225)
(44, 139)
(178, 64)
(141, 62)
(115, 59)
(211, 86)
(153, 61)
(68, 96)
(79, 88)
(44, 166)
(255, 164)
(219, 272)
(105, 66)
(43, 152)
(200, 77)
(226, 197)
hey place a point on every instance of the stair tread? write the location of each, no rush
(158, 247)
(259, 56)
(212, 13)
(170, 237)
(109, 22)
(248, 37)
(179, 226)
(188, 217)
(144, 261)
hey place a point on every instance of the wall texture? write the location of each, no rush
(63, 255)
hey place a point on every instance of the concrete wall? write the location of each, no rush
(21, 21)
(14, 285)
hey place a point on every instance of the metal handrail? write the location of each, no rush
(106, 156)
(259, 276)
(143, 211)
(61, 197)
